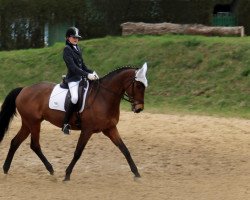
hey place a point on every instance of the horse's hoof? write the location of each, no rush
(66, 179)
(51, 172)
(50, 169)
(5, 170)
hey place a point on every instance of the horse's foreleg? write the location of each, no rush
(35, 146)
(82, 141)
(22, 134)
(114, 136)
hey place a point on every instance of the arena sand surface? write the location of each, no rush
(182, 157)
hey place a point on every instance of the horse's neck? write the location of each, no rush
(119, 82)
(109, 92)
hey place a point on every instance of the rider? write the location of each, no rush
(72, 56)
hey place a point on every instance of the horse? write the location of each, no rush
(101, 113)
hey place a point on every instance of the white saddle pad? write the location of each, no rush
(58, 95)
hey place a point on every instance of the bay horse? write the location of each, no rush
(101, 113)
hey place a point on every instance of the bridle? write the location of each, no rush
(126, 96)
(130, 98)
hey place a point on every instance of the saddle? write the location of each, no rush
(60, 96)
(81, 91)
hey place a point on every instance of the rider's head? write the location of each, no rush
(72, 35)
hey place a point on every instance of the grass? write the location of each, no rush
(186, 74)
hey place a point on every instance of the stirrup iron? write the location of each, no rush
(66, 129)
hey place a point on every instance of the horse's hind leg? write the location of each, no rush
(15, 143)
(114, 136)
(35, 146)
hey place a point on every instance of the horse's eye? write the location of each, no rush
(139, 85)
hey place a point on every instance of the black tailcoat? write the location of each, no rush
(74, 62)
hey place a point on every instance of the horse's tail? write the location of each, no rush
(8, 110)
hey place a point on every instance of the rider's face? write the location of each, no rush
(73, 40)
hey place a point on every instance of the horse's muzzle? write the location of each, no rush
(136, 108)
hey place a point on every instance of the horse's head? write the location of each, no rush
(135, 91)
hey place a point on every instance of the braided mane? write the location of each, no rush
(118, 70)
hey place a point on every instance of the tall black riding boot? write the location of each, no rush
(69, 112)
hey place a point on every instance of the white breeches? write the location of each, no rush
(73, 88)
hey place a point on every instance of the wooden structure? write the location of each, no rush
(130, 28)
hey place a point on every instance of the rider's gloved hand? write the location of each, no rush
(97, 77)
(93, 76)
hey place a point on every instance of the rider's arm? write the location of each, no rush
(68, 59)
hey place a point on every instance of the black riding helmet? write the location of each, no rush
(73, 32)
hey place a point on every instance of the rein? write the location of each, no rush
(125, 96)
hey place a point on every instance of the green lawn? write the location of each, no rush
(186, 74)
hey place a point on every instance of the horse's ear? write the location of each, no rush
(145, 68)
(140, 75)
